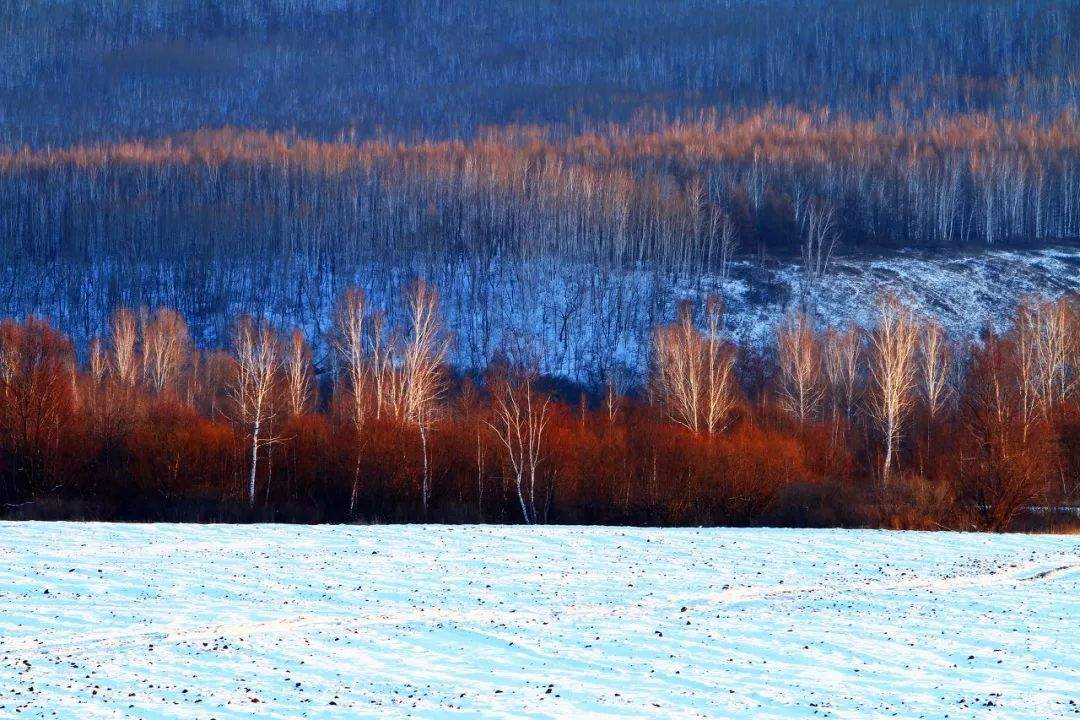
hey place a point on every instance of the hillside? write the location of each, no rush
(87, 70)
(698, 262)
(572, 321)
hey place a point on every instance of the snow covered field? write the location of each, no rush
(107, 621)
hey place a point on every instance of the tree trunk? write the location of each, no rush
(425, 487)
(254, 464)
(532, 492)
(479, 478)
(521, 499)
(888, 458)
(269, 473)
(355, 486)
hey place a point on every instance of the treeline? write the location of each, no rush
(215, 223)
(895, 426)
(72, 70)
(682, 197)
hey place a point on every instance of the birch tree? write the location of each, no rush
(257, 355)
(892, 371)
(125, 336)
(97, 362)
(676, 374)
(349, 342)
(820, 237)
(165, 348)
(519, 421)
(843, 352)
(935, 361)
(299, 385)
(799, 356)
(721, 224)
(693, 372)
(423, 358)
(1042, 332)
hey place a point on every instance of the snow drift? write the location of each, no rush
(280, 621)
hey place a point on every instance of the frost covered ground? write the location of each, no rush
(965, 291)
(573, 321)
(147, 621)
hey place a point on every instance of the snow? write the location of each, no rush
(195, 621)
(570, 320)
(966, 292)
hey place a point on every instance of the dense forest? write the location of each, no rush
(897, 426)
(565, 172)
(532, 236)
(87, 70)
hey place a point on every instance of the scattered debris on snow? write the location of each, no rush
(287, 621)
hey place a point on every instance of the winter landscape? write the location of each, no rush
(559, 358)
(181, 621)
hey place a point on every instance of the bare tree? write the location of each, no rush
(423, 358)
(892, 370)
(1057, 334)
(520, 418)
(935, 361)
(349, 343)
(677, 370)
(719, 369)
(799, 356)
(612, 399)
(693, 376)
(1009, 462)
(729, 243)
(257, 355)
(820, 237)
(1042, 336)
(36, 400)
(98, 362)
(1026, 332)
(299, 387)
(843, 351)
(125, 337)
(385, 373)
(165, 348)
(1071, 380)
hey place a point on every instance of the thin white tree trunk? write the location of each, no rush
(521, 499)
(254, 462)
(888, 456)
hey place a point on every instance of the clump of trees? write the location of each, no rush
(896, 425)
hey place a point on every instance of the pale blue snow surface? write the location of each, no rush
(171, 621)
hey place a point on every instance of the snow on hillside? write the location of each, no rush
(150, 621)
(966, 292)
(574, 321)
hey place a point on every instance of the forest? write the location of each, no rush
(393, 260)
(608, 230)
(897, 426)
(566, 173)
(75, 71)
